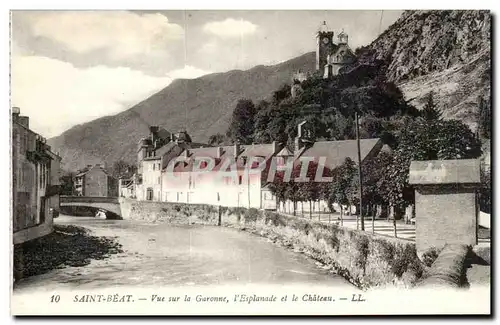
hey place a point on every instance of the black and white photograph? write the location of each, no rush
(250, 162)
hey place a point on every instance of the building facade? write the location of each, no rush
(153, 154)
(237, 175)
(94, 181)
(35, 181)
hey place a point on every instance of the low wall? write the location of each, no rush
(448, 270)
(31, 233)
(365, 260)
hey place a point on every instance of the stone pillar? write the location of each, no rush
(446, 209)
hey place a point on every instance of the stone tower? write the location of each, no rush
(343, 55)
(332, 57)
(324, 46)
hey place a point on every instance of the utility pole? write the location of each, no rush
(360, 176)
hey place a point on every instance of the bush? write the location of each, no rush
(251, 215)
(430, 256)
(406, 259)
(362, 243)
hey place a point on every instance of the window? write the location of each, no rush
(47, 175)
(40, 175)
(240, 179)
(203, 164)
(154, 165)
(158, 181)
(149, 194)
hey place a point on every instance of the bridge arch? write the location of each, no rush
(110, 205)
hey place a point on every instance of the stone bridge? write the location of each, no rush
(110, 204)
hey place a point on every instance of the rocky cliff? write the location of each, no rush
(447, 52)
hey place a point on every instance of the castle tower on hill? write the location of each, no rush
(331, 55)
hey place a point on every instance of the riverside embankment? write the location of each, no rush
(364, 260)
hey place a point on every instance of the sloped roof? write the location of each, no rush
(258, 150)
(162, 133)
(284, 152)
(88, 169)
(165, 148)
(173, 150)
(335, 152)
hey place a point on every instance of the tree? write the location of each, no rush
(282, 93)
(425, 140)
(241, 128)
(216, 139)
(310, 190)
(430, 111)
(343, 189)
(67, 183)
(484, 124)
(277, 187)
(373, 172)
(122, 169)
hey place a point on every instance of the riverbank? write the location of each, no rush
(66, 246)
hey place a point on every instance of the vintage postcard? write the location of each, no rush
(259, 162)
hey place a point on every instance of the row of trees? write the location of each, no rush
(385, 177)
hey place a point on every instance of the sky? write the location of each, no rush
(70, 67)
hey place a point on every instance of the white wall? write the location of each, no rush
(211, 188)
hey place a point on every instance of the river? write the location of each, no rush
(165, 255)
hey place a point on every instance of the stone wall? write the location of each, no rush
(33, 232)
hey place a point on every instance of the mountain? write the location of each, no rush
(444, 51)
(447, 52)
(203, 106)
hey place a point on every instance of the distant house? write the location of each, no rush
(126, 187)
(35, 182)
(94, 180)
(152, 153)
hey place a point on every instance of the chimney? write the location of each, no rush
(186, 153)
(153, 129)
(298, 145)
(172, 137)
(275, 147)
(219, 152)
(15, 113)
(299, 129)
(298, 139)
